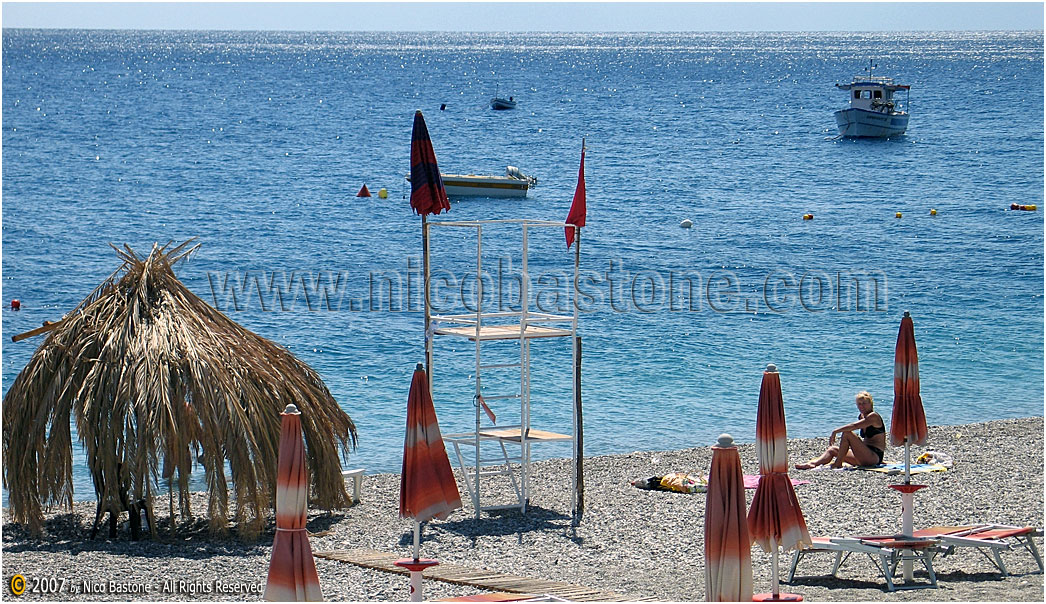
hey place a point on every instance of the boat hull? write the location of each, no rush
(484, 186)
(861, 123)
(502, 104)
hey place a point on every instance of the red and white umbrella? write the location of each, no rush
(775, 519)
(292, 570)
(428, 488)
(728, 548)
(427, 196)
(907, 421)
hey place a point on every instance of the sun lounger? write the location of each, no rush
(989, 539)
(357, 482)
(885, 552)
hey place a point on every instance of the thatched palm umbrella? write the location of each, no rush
(156, 378)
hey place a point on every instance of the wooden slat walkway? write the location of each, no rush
(484, 579)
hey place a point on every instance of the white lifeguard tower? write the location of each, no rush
(499, 341)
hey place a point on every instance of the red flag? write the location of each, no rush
(576, 215)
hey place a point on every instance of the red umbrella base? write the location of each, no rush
(779, 598)
(415, 565)
(907, 488)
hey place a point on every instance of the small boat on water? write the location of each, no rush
(513, 184)
(873, 110)
(500, 103)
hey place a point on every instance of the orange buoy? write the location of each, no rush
(363, 192)
(16, 305)
(808, 216)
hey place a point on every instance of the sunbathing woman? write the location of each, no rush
(864, 450)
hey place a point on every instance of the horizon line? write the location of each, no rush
(533, 31)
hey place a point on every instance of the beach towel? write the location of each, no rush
(752, 481)
(677, 482)
(936, 457)
(892, 468)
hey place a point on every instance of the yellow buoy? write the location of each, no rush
(383, 193)
(933, 212)
(808, 216)
(898, 214)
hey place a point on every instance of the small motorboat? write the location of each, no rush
(499, 103)
(873, 110)
(513, 184)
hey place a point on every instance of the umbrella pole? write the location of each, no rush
(907, 525)
(415, 586)
(425, 301)
(907, 513)
(775, 577)
(415, 574)
(416, 566)
(417, 540)
(907, 461)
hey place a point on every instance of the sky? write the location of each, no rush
(529, 16)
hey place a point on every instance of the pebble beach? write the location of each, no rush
(641, 544)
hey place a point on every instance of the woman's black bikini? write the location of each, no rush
(869, 432)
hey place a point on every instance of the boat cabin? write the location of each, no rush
(874, 94)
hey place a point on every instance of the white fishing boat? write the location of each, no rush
(513, 184)
(873, 110)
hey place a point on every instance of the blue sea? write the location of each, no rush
(257, 143)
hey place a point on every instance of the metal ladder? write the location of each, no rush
(498, 464)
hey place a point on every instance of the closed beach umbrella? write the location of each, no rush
(292, 571)
(428, 488)
(728, 548)
(908, 420)
(427, 195)
(775, 519)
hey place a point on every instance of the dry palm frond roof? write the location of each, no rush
(156, 378)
